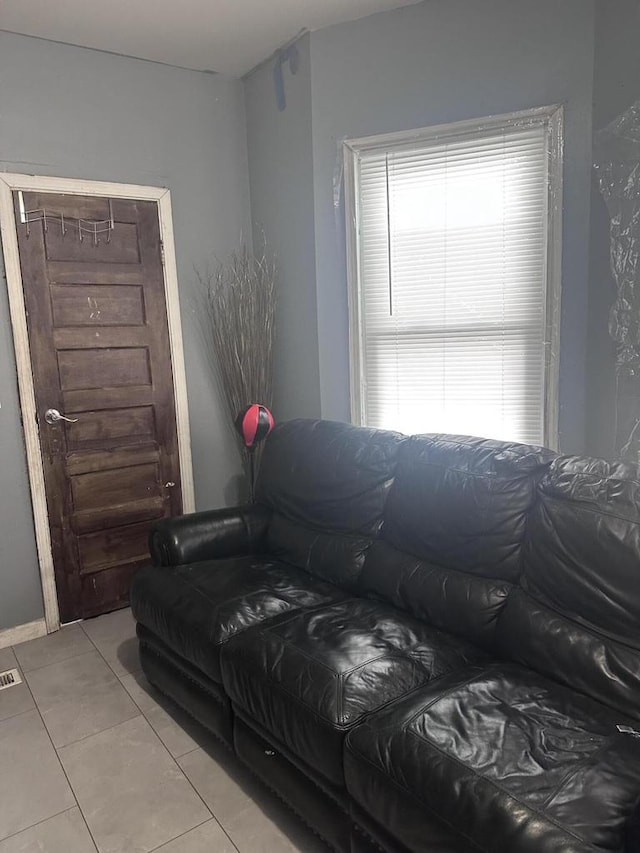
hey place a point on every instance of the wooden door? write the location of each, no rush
(100, 355)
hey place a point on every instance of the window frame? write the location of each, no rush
(550, 116)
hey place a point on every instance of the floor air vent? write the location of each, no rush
(9, 678)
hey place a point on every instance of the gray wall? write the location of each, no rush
(281, 181)
(81, 114)
(616, 85)
(442, 61)
(77, 113)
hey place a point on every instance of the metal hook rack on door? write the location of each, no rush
(85, 226)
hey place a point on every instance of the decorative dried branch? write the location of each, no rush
(239, 327)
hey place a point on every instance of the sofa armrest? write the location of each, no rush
(208, 535)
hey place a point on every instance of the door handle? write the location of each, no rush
(52, 416)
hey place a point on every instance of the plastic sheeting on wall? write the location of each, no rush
(617, 165)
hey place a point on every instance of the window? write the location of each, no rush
(453, 257)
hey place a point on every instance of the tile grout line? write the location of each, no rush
(210, 810)
(90, 638)
(211, 819)
(189, 751)
(92, 734)
(56, 662)
(53, 663)
(182, 773)
(213, 816)
(140, 713)
(101, 732)
(172, 757)
(81, 623)
(162, 708)
(197, 793)
(61, 660)
(73, 793)
(39, 822)
(55, 749)
(156, 732)
(175, 758)
(20, 713)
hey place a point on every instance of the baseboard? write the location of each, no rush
(22, 633)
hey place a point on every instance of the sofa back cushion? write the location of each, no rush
(453, 530)
(576, 615)
(326, 484)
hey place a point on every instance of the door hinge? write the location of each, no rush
(162, 252)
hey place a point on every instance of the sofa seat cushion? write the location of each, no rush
(195, 608)
(503, 756)
(310, 678)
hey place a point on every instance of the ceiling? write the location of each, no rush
(227, 36)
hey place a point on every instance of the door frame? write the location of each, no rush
(10, 183)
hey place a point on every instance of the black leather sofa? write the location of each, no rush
(422, 644)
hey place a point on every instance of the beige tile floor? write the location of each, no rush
(95, 760)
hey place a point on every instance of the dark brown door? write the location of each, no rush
(100, 357)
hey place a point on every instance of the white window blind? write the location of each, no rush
(453, 303)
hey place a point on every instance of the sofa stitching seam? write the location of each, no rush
(448, 692)
(278, 686)
(390, 655)
(342, 727)
(288, 644)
